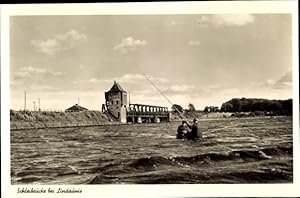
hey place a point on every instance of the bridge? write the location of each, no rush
(138, 113)
(116, 107)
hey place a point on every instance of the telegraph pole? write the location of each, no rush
(78, 101)
(25, 101)
(33, 105)
(39, 104)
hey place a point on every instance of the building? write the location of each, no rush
(76, 108)
(116, 102)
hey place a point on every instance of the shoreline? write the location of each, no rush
(79, 125)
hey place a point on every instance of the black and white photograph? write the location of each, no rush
(151, 99)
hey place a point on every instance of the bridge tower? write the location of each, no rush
(116, 102)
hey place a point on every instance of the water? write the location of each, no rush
(234, 150)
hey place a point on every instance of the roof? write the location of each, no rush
(116, 88)
(76, 107)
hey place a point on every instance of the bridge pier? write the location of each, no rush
(139, 120)
(157, 120)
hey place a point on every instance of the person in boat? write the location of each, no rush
(182, 130)
(194, 134)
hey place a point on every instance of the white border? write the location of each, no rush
(215, 190)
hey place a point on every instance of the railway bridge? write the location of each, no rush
(116, 106)
(138, 113)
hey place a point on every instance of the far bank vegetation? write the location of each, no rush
(237, 107)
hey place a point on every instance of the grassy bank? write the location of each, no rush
(44, 119)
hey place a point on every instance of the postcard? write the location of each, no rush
(161, 99)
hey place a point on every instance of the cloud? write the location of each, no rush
(35, 80)
(71, 35)
(130, 78)
(135, 78)
(284, 82)
(214, 86)
(32, 72)
(58, 43)
(226, 20)
(230, 91)
(182, 88)
(194, 43)
(124, 79)
(267, 83)
(44, 88)
(129, 44)
(232, 19)
(127, 78)
(136, 84)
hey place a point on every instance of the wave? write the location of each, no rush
(149, 162)
(263, 154)
(198, 177)
(160, 169)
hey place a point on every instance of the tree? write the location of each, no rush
(206, 109)
(176, 108)
(227, 107)
(215, 109)
(191, 107)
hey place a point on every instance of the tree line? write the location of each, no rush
(278, 107)
(282, 107)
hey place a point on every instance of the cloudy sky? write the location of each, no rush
(199, 59)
